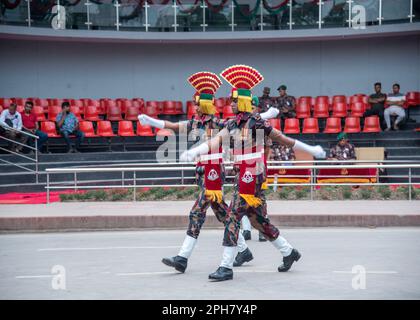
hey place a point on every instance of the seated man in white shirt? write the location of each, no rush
(394, 106)
(10, 118)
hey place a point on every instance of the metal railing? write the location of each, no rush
(314, 166)
(24, 156)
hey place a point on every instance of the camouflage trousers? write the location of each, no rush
(198, 212)
(257, 216)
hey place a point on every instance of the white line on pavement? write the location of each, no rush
(373, 272)
(104, 248)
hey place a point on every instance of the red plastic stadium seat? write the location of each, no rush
(291, 125)
(352, 125)
(358, 98)
(220, 103)
(20, 109)
(131, 113)
(5, 102)
(339, 98)
(111, 103)
(125, 129)
(144, 131)
(333, 125)
(357, 109)
(113, 113)
(164, 132)
(321, 109)
(169, 108)
(310, 125)
(372, 124)
(322, 100)
(39, 113)
(91, 113)
(123, 104)
(19, 101)
(339, 110)
(413, 98)
(87, 128)
(50, 129)
(305, 100)
(303, 110)
(178, 107)
(138, 102)
(227, 112)
(152, 109)
(275, 123)
(1, 109)
(41, 103)
(77, 103)
(53, 111)
(77, 111)
(105, 129)
(55, 102)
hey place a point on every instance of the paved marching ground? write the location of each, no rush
(127, 265)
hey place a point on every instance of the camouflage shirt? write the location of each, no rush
(282, 153)
(345, 152)
(288, 103)
(266, 102)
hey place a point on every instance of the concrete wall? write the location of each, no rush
(159, 71)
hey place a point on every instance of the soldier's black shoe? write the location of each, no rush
(247, 234)
(261, 237)
(221, 274)
(178, 262)
(242, 257)
(288, 261)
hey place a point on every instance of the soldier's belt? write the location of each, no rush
(213, 156)
(249, 156)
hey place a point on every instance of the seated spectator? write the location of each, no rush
(395, 103)
(285, 103)
(69, 125)
(344, 150)
(31, 125)
(282, 153)
(377, 101)
(266, 102)
(11, 119)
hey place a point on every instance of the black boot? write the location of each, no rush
(242, 257)
(247, 234)
(178, 262)
(288, 261)
(221, 274)
(261, 237)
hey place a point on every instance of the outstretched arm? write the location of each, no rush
(205, 147)
(279, 137)
(145, 120)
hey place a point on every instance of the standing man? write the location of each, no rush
(377, 102)
(395, 103)
(210, 172)
(11, 120)
(68, 124)
(31, 125)
(285, 103)
(249, 134)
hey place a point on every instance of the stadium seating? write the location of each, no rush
(178, 107)
(5, 102)
(77, 103)
(77, 111)
(310, 125)
(191, 111)
(321, 109)
(413, 98)
(333, 125)
(339, 109)
(227, 112)
(104, 129)
(131, 113)
(38, 111)
(339, 98)
(123, 104)
(50, 129)
(169, 108)
(53, 111)
(219, 103)
(352, 125)
(372, 124)
(125, 129)
(291, 126)
(113, 113)
(144, 131)
(303, 110)
(152, 109)
(41, 103)
(87, 128)
(91, 113)
(164, 132)
(357, 109)
(275, 123)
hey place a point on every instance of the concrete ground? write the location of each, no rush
(127, 265)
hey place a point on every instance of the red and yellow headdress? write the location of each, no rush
(242, 78)
(206, 84)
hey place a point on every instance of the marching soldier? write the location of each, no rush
(210, 173)
(249, 133)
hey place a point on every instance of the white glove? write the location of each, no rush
(190, 155)
(270, 114)
(145, 120)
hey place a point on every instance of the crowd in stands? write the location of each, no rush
(80, 118)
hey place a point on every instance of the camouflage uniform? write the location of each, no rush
(238, 206)
(265, 101)
(287, 102)
(345, 152)
(283, 153)
(198, 212)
